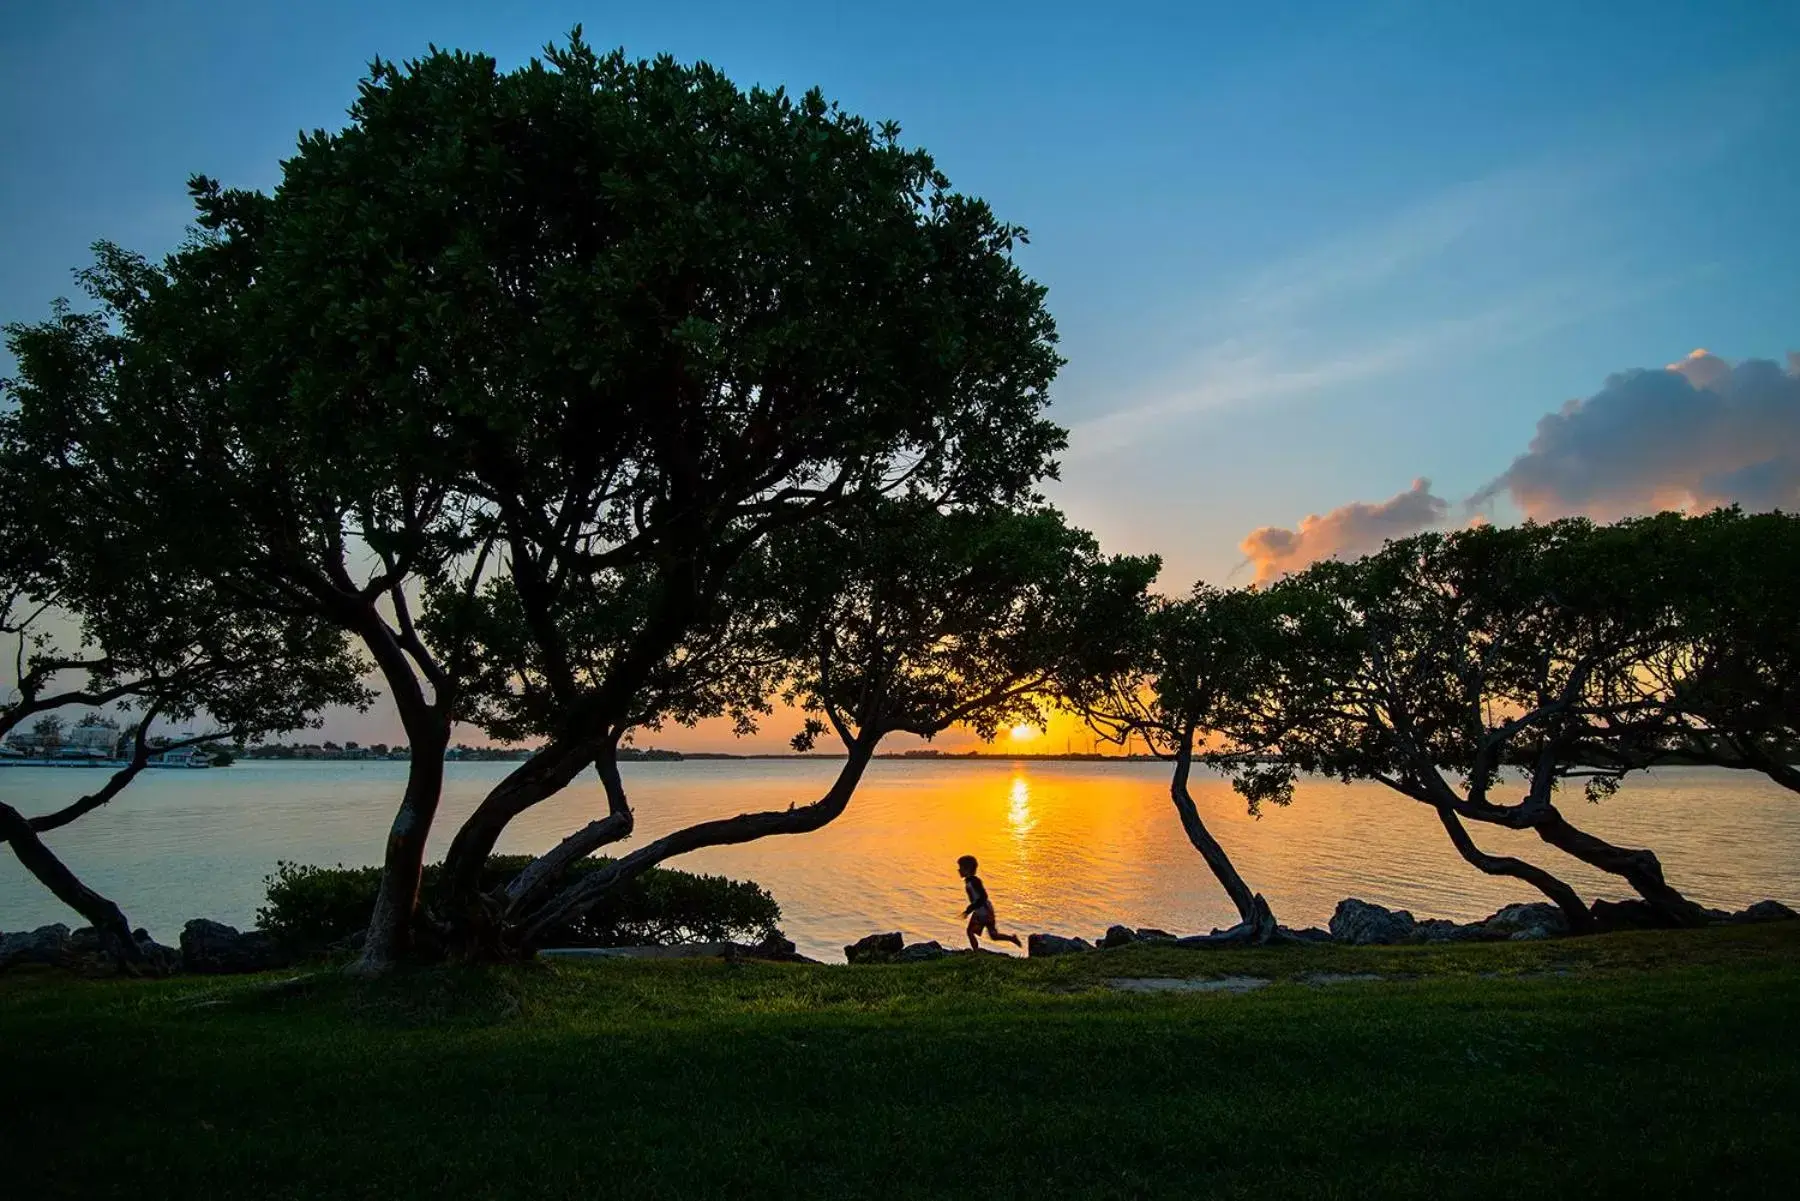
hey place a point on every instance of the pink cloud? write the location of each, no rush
(1352, 529)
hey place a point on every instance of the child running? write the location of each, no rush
(981, 910)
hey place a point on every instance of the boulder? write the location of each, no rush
(46, 944)
(1038, 946)
(1439, 929)
(162, 960)
(919, 952)
(1537, 915)
(85, 951)
(1362, 924)
(1529, 934)
(774, 945)
(876, 948)
(1125, 936)
(1625, 915)
(1766, 911)
(215, 948)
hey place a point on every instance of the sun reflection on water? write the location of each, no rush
(1019, 816)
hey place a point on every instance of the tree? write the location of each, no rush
(1446, 664)
(587, 319)
(1185, 671)
(94, 621)
(47, 732)
(697, 315)
(179, 396)
(903, 619)
(1727, 690)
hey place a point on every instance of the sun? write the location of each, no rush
(1021, 733)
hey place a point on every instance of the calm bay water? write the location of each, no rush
(1064, 847)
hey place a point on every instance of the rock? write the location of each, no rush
(161, 960)
(46, 944)
(1124, 936)
(919, 952)
(1534, 916)
(1361, 924)
(1766, 911)
(1529, 934)
(1439, 929)
(1038, 946)
(876, 948)
(1625, 915)
(85, 951)
(774, 945)
(213, 947)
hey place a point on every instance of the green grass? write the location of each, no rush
(1644, 1065)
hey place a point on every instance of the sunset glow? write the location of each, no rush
(1021, 733)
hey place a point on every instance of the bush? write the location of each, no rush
(310, 908)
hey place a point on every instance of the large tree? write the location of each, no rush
(1448, 666)
(1185, 678)
(700, 315)
(586, 326)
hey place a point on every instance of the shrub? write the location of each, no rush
(309, 908)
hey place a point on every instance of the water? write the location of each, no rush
(1064, 847)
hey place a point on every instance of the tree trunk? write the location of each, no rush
(1256, 921)
(104, 916)
(541, 776)
(403, 865)
(544, 871)
(1566, 898)
(746, 827)
(1641, 869)
(589, 728)
(427, 726)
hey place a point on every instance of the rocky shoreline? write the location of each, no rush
(214, 948)
(1355, 923)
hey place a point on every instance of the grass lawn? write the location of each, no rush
(1642, 1065)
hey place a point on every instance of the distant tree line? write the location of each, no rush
(599, 396)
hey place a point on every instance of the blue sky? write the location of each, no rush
(1300, 254)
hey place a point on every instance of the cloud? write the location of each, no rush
(1351, 529)
(1696, 434)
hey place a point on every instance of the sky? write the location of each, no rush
(1324, 273)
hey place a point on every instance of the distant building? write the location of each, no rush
(91, 742)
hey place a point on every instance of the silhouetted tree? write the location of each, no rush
(1184, 673)
(1445, 665)
(96, 621)
(1726, 691)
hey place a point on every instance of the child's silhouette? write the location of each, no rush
(981, 910)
